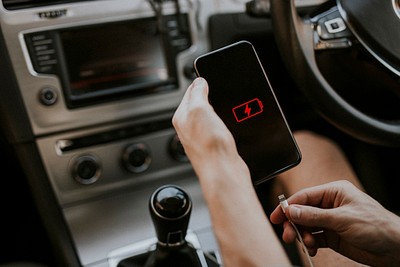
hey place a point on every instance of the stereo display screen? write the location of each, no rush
(116, 59)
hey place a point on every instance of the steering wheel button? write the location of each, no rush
(335, 25)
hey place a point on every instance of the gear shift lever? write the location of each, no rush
(170, 208)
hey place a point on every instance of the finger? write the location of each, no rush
(313, 196)
(321, 240)
(315, 241)
(325, 196)
(199, 90)
(309, 239)
(311, 242)
(277, 216)
(182, 107)
(311, 216)
(312, 251)
(289, 234)
(196, 93)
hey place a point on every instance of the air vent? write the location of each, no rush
(21, 4)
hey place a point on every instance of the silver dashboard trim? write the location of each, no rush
(55, 118)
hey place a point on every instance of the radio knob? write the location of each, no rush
(176, 149)
(86, 169)
(136, 158)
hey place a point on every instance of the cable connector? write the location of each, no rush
(283, 202)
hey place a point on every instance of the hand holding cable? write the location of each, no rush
(353, 223)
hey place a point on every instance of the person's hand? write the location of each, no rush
(195, 119)
(352, 223)
(202, 133)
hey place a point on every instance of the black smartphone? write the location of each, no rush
(241, 95)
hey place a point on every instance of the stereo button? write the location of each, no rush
(42, 51)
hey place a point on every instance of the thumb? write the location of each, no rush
(200, 89)
(310, 216)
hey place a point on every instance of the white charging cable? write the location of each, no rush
(284, 204)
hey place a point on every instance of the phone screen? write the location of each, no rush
(242, 97)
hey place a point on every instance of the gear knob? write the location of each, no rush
(170, 207)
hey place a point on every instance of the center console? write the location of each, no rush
(100, 81)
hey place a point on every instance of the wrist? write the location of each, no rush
(394, 235)
(223, 171)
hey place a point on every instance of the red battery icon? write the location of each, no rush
(247, 110)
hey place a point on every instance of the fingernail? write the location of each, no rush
(295, 213)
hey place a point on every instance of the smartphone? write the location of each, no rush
(241, 95)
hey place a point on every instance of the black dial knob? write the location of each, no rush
(86, 169)
(136, 158)
(176, 149)
(170, 208)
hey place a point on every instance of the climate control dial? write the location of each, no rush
(136, 157)
(176, 149)
(86, 169)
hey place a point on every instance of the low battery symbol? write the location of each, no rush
(247, 110)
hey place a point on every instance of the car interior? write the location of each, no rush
(88, 89)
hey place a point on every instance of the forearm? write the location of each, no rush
(245, 236)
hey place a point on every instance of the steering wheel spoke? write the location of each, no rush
(366, 26)
(331, 31)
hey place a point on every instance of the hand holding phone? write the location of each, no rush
(242, 97)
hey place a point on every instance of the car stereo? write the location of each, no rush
(104, 62)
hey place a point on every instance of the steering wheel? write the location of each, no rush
(319, 47)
